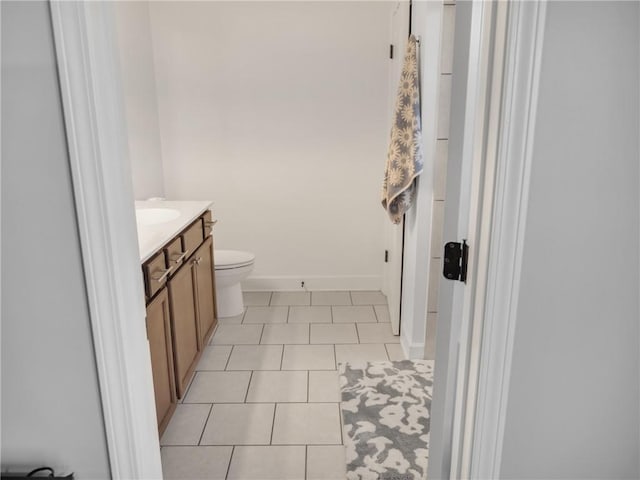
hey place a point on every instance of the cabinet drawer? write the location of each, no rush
(208, 223)
(176, 255)
(193, 236)
(155, 274)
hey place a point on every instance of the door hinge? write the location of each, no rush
(455, 258)
(391, 51)
(386, 256)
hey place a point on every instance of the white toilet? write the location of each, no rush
(232, 266)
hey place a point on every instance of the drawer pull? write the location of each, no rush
(208, 223)
(181, 257)
(197, 260)
(164, 275)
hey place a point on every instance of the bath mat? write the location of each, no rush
(386, 419)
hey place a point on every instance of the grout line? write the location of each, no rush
(350, 297)
(186, 392)
(306, 450)
(281, 358)
(288, 313)
(331, 310)
(308, 386)
(357, 333)
(273, 422)
(270, 297)
(335, 357)
(261, 334)
(233, 448)
(340, 417)
(204, 427)
(226, 365)
(246, 394)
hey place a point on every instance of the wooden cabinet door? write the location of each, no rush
(159, 335)
(184, 325)
(205, 289)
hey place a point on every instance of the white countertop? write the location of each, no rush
(152, 237)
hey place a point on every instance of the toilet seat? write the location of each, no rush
(230, 259)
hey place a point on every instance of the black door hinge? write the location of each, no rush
(386, 256)
(390, 51)
(455, 257)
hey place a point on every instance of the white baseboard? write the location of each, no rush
(327, 283)
(413, 351)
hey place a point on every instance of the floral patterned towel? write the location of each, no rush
(386, 419)
(404, 160)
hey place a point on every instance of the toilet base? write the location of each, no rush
(229, 301)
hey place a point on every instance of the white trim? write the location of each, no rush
(473, 172)
(413, 351)
(517, 127)
(103, 192)
(286, 283)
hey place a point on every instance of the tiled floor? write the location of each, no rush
(264, 402)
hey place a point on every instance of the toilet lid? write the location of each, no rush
(226, 259)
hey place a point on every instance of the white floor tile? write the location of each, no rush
(326, 462)
(368, 298)
(186, 425)
(214, 357)
(354, 314)
(376, 333)
(213, 387)
(332, 333)
(306, 423)
(255, 357)
(360, 353)
(237, 335)
(382, 313)
(278, 387)
(324, 386)
(395, 352)
(316, 314)
(284, 333)
(267, 463)
(266, 315)
(239, 424)
(291, 298)
(308, 357)
(256, 298)
(195, 463)
(330, 298)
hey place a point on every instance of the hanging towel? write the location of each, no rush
(404, 160)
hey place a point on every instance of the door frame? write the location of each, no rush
(95, 121)
(103, 194)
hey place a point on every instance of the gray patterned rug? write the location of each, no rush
(386, 419)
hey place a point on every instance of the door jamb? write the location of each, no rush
(524, 46)
(103, 194)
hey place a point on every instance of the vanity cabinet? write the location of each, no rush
(205, 283)
(184, 325)
(160, 346)
(181, 310)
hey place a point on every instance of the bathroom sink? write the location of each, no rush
(155, 216)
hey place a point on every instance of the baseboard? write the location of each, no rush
(413, 351)
(294, 283)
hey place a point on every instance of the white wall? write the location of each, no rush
(573, 398)
(277, 111)
(51, 411)
(139, 87)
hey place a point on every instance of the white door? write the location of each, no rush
(394, 233)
